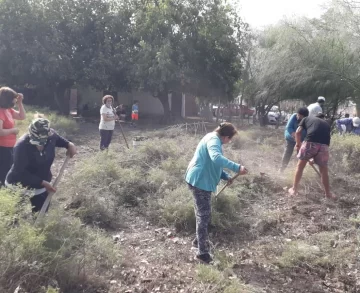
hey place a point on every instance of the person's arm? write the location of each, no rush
(20, 164)
(5, 132)
(298, 133)
(214, 150)
(344, 121)
(61, 142)
(225, 176)
(19, 115)
(298, 137)
(290, 126)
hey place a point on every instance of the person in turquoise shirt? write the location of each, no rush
(203, 175)
(289, 133)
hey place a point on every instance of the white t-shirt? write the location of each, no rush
(314, 109)
(106, 125)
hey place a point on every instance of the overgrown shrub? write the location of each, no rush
(220, 283)
(62, 124)
(60, 251)
(101, 184)
(345, 153)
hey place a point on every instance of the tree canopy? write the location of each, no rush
(200, 47)
(156, 46)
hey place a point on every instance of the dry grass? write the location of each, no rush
(60, 251)
(61, 124)
(280, 233)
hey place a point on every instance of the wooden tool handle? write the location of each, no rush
(50, 195)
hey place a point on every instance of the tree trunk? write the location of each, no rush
(262, 116)
(279, 120)
(164, 99)
(62, 98)
(357, 107)
(176, 104)
(218, 112)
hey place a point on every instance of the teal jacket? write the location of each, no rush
(206, 167)
(291, 127)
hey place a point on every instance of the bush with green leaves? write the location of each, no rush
(345, 153)
(60, 250)
(62, 124)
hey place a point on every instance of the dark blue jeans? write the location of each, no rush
(6, 160)
(105, 138)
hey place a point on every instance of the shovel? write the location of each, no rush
(50, 195)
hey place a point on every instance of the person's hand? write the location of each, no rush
(15, 131)
(243, 170)
(297, 147)
(20, 98)
(311, 162)
(48, 186)
(230, 181)
(71, 151)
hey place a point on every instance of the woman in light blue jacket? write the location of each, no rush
(203, 175)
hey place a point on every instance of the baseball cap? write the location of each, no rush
(356, 121)
(321, 99)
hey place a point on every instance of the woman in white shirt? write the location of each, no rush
(107, 121)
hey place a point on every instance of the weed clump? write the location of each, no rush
(61, 251)
(63, 125)
(345, 152)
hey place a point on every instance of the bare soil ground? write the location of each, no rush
(302, 244)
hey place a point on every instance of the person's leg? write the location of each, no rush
(298, 174)
(37, 201)
(6, 160)
(325, 180)
(101, 139)
(307, 151)
(321, 159)
(109, 137)
(288, 151)
(202, 201)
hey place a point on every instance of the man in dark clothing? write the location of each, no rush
(34, 154)
(315, 149)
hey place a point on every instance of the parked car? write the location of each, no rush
(274, 115)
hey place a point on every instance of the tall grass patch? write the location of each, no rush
(345, 153)
(61, 251)
(62, 124)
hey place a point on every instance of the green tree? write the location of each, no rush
(187, 46)
(54, 44)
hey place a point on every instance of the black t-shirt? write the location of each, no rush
(317, 130)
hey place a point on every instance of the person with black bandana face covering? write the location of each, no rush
(290, 130)
(34, 154)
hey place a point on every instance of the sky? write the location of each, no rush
(259, 13)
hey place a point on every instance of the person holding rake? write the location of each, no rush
(314, 149)
(34, 154)
(203, 175)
